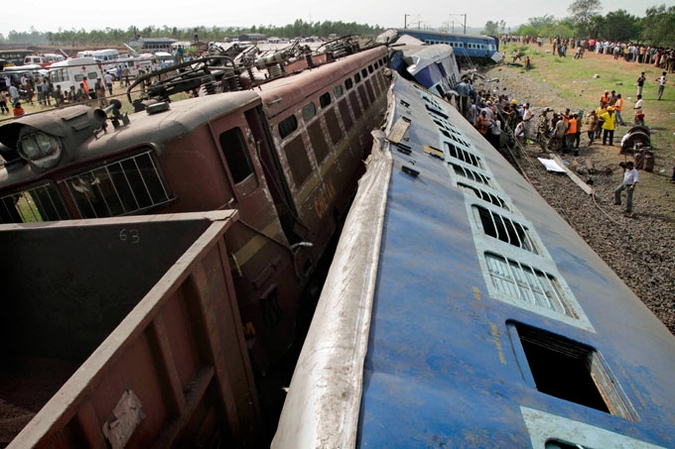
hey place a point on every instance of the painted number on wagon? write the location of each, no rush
(130, 235)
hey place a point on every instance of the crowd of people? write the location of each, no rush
(562, 131)
(29, 90)
(660, 57)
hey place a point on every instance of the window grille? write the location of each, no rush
(470, 174)
(525, 284)
(463, 155)
(128, 186)
(41, 203)
(504, 229)
(483, 195)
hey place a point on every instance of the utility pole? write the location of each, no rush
(405, 20)
(460, 15)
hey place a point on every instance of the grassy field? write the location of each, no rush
(574, 82)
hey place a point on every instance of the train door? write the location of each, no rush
(273, 170)
(265, 267)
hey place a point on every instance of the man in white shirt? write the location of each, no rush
(630, 180)
(662, 84)
(639, 115)
(109, 83)
(528, 115)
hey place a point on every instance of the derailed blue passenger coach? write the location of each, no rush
(462, 311)
(476, 48)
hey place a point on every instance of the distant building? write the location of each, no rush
(252, 37)
(153, 44)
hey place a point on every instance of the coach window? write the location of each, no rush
(324, 100)
(357, 78)
(364, 73)
(236, 154)
(308, 112)
(370, 68)
(338, 91)
(348, 83)
(287, 126)
(568, 370)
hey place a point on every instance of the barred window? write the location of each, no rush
(41, 203)
(527, 285)
(504, 229)
(484, 195)
(463, 155)
(131, 185)
(470, 174)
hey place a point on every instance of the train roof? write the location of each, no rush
(79, 124)
(462, 311)
(418, 32)
(283, 93)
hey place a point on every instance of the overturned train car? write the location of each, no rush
(286, 156)
(462, 311)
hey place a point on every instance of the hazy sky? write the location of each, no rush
(69, 14)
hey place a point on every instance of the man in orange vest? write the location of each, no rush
(571, 135)
(618, 107)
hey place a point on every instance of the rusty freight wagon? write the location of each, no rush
(149, 353)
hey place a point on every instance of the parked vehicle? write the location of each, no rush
(72, 71)
(43, 60)
(133, 63)
(15, 73)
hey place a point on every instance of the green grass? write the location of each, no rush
(573, 79)
(574, 82)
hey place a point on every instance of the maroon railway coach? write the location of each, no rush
(286, 155)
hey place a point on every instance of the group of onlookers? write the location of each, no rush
(47, 94)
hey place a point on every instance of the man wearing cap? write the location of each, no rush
(630, 180)
(608, 119)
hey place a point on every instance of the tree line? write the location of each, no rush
(657, 28)
(116, 36)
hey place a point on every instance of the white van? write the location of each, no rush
(106, 56)
(71, 72)
(43, 60)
